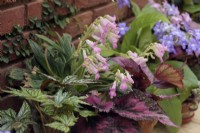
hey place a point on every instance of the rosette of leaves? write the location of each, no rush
(19, 122)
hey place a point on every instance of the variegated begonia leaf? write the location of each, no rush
(107, 124)
(97, 102)
(137, 106)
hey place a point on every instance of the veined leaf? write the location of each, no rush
(137, 106)
(169, 74)
(96, 102)
(107, 124)
(63, 123)
(30, 94)
(10, 120)
(190, 81)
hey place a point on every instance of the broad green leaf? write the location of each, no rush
(190, 81)
(146, 37)
(87, 113)
(38, 54)
(142, 21)
(192, 8)
(30, 94)
(63, 123)
(9, 120)
(107, 52)
(135, 8)
(171, 107)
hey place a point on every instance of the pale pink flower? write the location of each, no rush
(101, 59)
(113, 38)
(186, 17)
(176, 20)
(141, 61)
(123, 86)
(159, 50)
(112, 19)
(93, 45)
(129, 78)
(84, 54)
(112, 92)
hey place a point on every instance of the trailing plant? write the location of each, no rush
(15, 42)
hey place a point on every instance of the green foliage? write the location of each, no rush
(60, 107)
(172, 107)
(56, 61)
(15, 74)
(10, 120)
(135, 8)
(190, 81)
(192, 8)
(63, 122)
(29, 94)
(140, 36)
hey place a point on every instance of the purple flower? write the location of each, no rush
(122, 28)
(5, 132)
(122, 3)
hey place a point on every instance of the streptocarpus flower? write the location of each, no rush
(159, 50)
(141, 61)
(113, 88)
(91, 67)
(122, 3)
(93, 45)
(122, 81)
(106, 30)
(95, 64)
(122, 28)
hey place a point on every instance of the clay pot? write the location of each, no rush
(147, 126)
(188, 111)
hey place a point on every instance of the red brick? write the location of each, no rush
(141, 3)
(1, 48)
(111, 9)
(11, 17)
(34, 9)
(13, 56)
(63, 11)
(77, 24)
(89, 3)
(3, 73)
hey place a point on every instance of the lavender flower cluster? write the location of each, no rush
(171, 36)
(171, 11)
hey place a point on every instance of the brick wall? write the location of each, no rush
(88, 11)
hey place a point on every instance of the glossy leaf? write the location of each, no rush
(96, 102)
(165, 73)
(107, 124)
(137, 106)
(145, 19)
